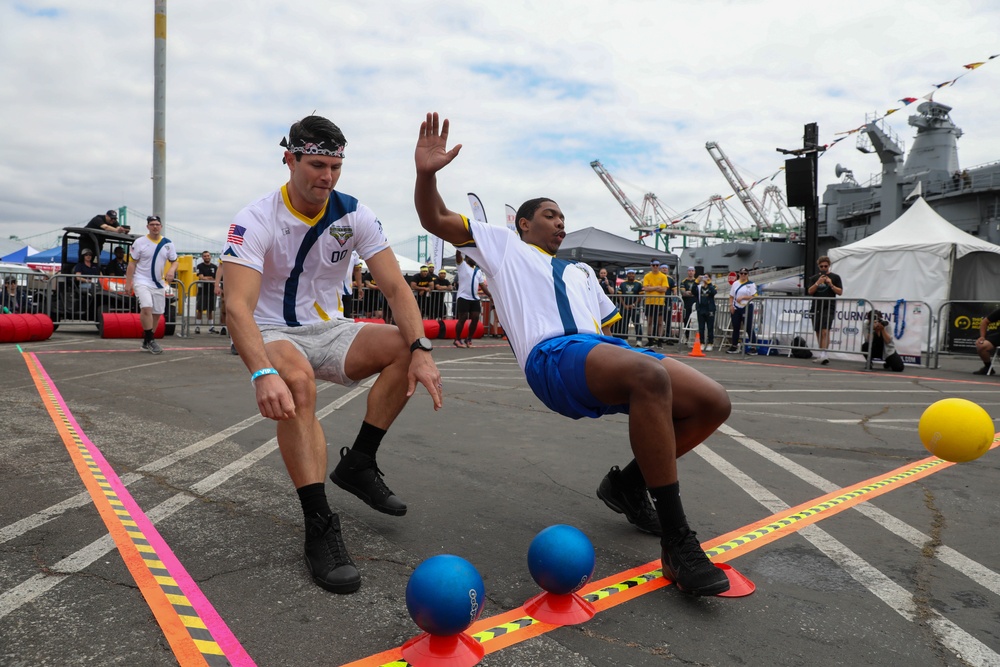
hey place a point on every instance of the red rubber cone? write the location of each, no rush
(428, 650)
(568, 609)
(739, 586)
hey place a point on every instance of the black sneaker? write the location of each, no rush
(360, 475)
(687, 565)
(223, 332)
(329, 563)
(733, 350)
(232, 349)
(985, 370)
(633, 503)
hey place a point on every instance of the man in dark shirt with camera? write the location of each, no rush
(826, 287)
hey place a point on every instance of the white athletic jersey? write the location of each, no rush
(150, 258)
(742, 293)
(469, 280)
(303, 262)
(537, 296)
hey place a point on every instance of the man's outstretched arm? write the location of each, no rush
(431, 156)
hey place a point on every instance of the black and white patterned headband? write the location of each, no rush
(312, 147)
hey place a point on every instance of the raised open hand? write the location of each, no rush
(431, 153)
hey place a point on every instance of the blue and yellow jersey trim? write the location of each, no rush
(291, 209)
(471, 243)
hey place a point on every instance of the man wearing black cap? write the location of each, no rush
(108, 222)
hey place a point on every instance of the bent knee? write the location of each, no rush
(651, 375)
(301, 382)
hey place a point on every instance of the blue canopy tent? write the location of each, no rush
(54, 255)
(18, 256)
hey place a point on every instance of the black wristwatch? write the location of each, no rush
(422, 344)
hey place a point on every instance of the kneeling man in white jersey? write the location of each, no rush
(286, 258)
(558, 319)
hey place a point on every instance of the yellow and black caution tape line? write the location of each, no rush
(515, 626)
(192, 628)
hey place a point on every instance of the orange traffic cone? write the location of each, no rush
(696, 350)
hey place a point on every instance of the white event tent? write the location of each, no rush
(920, 257)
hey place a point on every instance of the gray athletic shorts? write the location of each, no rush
(324, 345)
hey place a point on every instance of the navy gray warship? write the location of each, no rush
(968, 198)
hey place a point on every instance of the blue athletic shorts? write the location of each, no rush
(556, 372)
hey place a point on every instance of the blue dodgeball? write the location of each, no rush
(445, 595)
(561, 559)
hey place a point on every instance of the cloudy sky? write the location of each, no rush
(535, 91)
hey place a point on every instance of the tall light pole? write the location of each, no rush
(160, 111)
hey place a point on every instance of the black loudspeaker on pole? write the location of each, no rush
(800, 186)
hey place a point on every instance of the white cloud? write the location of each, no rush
(535, 91)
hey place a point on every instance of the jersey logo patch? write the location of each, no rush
(341, 234)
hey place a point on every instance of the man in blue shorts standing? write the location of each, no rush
(286, 258)
(558, 321)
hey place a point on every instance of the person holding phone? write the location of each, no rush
(825, 287)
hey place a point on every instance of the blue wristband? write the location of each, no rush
(263, 371)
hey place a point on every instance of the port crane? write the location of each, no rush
(754, 206)
(653, 217)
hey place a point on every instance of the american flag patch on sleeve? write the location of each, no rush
(236, 233)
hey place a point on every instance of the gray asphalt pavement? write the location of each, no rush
(908, 578)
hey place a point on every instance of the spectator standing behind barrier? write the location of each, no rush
(151, 266)
(14, 299)
(468, 306)
(441, 286)
(118, 266)
(422, 284)
(705, 303)
(629, 289)
(987, 342)
(220, 291)
(825, 287)
(741, 296)
(881, 346)
(205, 297)
(352, 281)
(689, 297)
(605, 282)
(655, 285)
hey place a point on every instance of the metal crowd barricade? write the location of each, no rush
(956, 327)
(28, 292)
(80, 301)
(199, 296)
(640, 319)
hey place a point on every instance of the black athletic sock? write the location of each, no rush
(313, 499)
(368, 440)
(632, 476)
(667, 501)
(147, 335)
